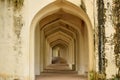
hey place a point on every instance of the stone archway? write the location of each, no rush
(61, 22)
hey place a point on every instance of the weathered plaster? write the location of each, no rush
(10, 41)
(16, 17)
(109, 46)
(116, 23)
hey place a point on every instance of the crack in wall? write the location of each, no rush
(83, 5)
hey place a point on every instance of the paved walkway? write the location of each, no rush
(59, 72)
(60, 77)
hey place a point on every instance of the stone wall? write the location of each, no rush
(107, 37)
(109, 43)
(12, 58)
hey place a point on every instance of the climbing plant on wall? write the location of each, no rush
(116, 22)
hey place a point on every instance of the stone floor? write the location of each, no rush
(59, 72)
(56, 76)
(60, 77)
(58, 67)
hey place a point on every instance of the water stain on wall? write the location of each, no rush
(116, 22)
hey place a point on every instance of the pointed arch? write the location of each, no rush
(67, 7)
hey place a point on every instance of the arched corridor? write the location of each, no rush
(61, 35)
(59, 39)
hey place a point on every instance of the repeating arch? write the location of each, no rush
(67, 8)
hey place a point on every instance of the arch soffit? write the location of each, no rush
(73, 28)
(50, 32)
(61, 45)
(59, 35)
(59, 41)
(61, 15)
(65, 6)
